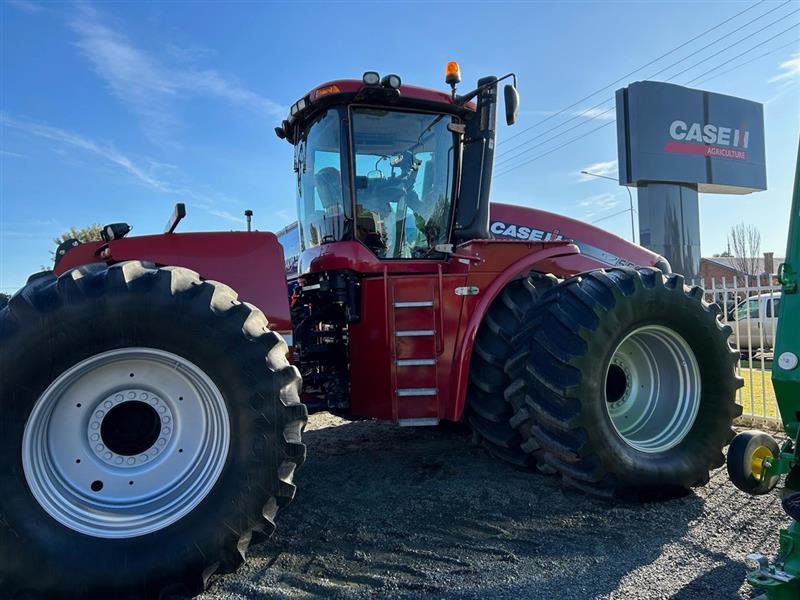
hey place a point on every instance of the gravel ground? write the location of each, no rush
(387, 512)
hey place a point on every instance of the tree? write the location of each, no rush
(82, 234)
(745, 244)
(91, 233)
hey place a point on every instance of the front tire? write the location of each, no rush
(151, 424)
(630, 383)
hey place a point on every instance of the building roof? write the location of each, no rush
(730, 262)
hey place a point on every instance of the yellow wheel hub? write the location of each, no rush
(757, 461)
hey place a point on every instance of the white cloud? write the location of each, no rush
(188, 53)
(222, 214)
(150, 87)
(790, 68)
(606, 168)
(598, 204)
(68, 138)
(603, 113)
(602, 201)
(14, 154)
(108, 153)
(26, 6)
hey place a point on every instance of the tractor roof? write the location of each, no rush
(408, 91)
(341, 91)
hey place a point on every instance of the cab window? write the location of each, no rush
(403, 164)
(320, 205)
(747, 309)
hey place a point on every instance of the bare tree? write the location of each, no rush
(745, 245)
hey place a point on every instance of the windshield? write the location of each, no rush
(319, 182)
(747, 309)
(403, 181)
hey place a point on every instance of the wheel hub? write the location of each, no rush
(618, 382)
(114, 460)
(130, 427)
(653, 389)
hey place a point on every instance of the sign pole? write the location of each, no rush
(669, 224)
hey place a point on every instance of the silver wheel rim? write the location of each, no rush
(125, 442)
(653, 389)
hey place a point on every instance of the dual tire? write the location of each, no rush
(622, 382)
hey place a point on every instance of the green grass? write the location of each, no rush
(753, 381)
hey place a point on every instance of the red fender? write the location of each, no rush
(249, 262)
(541, 260)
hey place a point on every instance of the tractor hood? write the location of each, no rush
(598, 247)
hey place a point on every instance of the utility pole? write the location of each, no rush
(630, 198)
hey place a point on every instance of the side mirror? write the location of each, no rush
(512, 103)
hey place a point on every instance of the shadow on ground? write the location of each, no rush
(385, 512)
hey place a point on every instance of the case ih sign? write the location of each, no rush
(670, 133)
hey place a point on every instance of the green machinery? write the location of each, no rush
(755, 460)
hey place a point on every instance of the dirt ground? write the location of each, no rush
(388, 512)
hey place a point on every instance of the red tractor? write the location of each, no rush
(153, 410)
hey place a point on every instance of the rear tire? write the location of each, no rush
(75, 337)
(489, 412)
(606, 349)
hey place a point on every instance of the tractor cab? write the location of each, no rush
(380, 163)
(389, 179)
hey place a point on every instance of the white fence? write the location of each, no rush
(751, 306)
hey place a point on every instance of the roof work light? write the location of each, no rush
(371, 78)
(391, 81)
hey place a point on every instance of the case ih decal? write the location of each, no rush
(598, 248)
(521, 232)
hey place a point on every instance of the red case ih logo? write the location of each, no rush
(708, 140)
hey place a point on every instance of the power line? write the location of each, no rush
(795, 43)
(775, 22)
(579, 115)
(616, 214)
(558, 135)
(510, 159)
(662, 70)
(745, 52)
(537, 157)
(675, 49)
(575, 139)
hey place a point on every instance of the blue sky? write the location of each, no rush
(115, 111)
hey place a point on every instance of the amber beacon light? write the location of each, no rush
(452, 74)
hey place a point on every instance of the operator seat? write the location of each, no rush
(329, 187)
(367, 232)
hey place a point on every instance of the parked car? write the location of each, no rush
(754, 321)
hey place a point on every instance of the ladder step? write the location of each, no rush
(415, 362)
(414, 304)
(416, 392)
(414, 332)
(419, 422)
